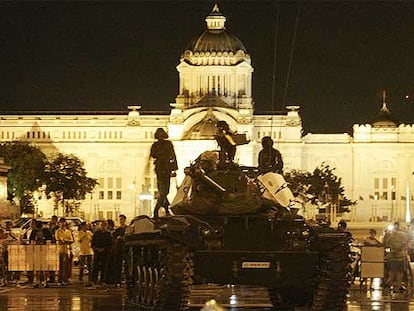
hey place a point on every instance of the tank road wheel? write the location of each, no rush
(155, 286)
(333, 283)
(172, 286)
(151, 285)
(145, 285)
(159, 278)
(140, 284)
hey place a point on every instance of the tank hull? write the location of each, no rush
(297, 263)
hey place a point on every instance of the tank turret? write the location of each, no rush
(242, 223)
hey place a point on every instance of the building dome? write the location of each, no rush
(216, 41)
(216, 45)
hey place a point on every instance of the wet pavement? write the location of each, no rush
(63, 298)
(76, 297)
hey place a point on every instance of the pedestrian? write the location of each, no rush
(64, 239)
(86, 251)
(410, 240)
(27, 233)
(269, 159)
(119, 249)
(110, 261)
(40, 236)
(29, 238)
(371, 239)
(396, 242)
(53, 227)
(162, 151)
(343, 226)
(9, 237)
(101, 245)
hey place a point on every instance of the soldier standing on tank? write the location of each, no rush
(225, 141)
(270, 159)
(162, 151)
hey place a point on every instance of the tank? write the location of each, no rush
(230, 225)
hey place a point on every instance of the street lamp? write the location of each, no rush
(133, 187)
(392, 203)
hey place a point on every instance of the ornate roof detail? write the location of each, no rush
(384, 117)
(205, 129)
(216, 45)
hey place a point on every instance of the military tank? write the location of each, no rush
(231, 225)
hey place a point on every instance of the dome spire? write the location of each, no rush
(384, 108)
(215, 20)
(384, 117)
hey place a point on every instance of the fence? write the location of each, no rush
(372, 262)
(32, 257)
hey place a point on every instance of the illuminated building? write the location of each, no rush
(215, 83)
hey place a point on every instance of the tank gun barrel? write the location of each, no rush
(199, 173)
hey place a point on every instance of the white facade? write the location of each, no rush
(215, 72)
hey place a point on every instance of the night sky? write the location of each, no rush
(88, 56)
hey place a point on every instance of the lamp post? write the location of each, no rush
(327, 202)
(133, 187)
(392, 203)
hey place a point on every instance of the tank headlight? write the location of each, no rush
(305, 233)
(206, 232)
(217, 233)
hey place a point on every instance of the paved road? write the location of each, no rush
(75, 297)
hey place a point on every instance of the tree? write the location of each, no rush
(26, 174)
(66, 179)
(321, 187)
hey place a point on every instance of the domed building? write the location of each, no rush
(215, 71)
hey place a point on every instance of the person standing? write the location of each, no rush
(396, 242)
(64, 239)
(53, 227)
(101, 245)
(40, 236)
(269, 159)
(110, 261)
(119, 249)
(162, 151)
(371, 239)
(343, 226)
(226, 143)
(86, 251)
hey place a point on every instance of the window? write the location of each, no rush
(385, 188)
(109, 183)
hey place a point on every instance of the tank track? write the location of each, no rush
(333, 276)
(159, 274)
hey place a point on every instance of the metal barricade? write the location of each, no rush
(372, 261)
(32, 257)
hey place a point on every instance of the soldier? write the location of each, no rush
(270, 159)
(162, 151)
(225, 141)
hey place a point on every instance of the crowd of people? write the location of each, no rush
(398, 245)
(101, 251)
